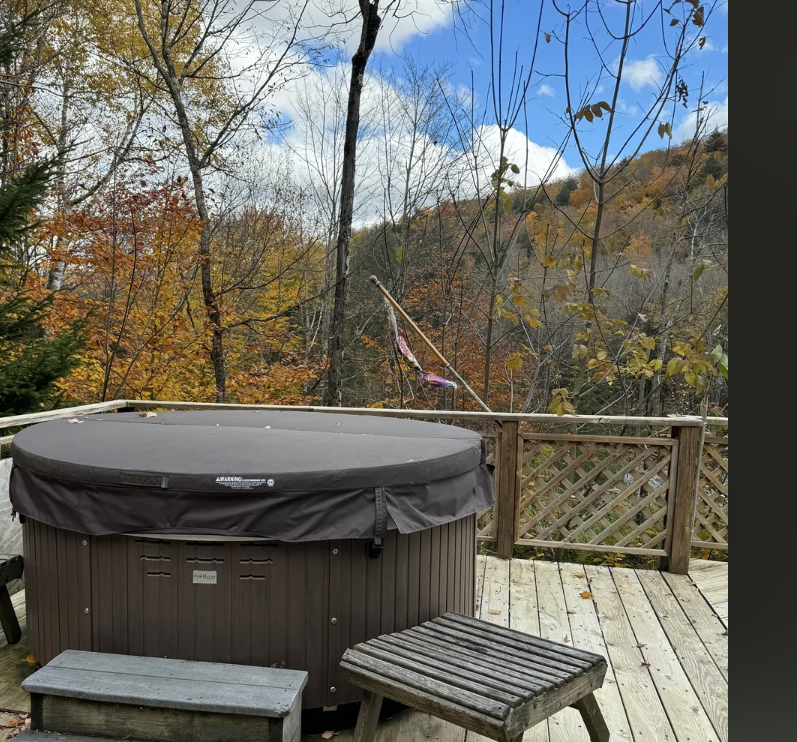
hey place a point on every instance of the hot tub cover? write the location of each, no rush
(286, 475)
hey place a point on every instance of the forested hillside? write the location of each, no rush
(178, 253)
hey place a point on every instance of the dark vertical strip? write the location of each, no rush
(434, 572)
(316, 622)
(71, 576)
(135, 576)
(85, 551)
(387, 564)
(59, 567)
(276, 572)
(183, 573)
(402, 575)
(296, 622)
(339, 610)
(52, 589)
(413, 579)
(241, 624)
(203, 597)
(120, 601)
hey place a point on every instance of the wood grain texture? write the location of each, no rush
(76, 716)
(587, 634)
(710, 685)
(684, 710)
(646, 715)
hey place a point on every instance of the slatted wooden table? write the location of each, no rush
(491, 680)
(10, 569)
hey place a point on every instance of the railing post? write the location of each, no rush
(681, 520)
(507, 497)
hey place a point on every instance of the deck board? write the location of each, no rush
(680, 620)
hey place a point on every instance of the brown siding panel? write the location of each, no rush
(272, 604)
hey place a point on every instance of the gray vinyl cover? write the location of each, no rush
(291, 476)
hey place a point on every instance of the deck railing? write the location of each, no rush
(659, 493)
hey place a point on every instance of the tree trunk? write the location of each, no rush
(370, 28)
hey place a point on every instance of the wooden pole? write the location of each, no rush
(682, 520)
(426, 340)
(507, 485)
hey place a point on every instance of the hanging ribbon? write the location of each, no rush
(404, 349)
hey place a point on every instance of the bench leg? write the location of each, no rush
(368, 718)
(8, 619)
(593, 718)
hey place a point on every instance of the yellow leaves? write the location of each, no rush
(580, 352)
(586, 594)
(514, 362)
(560, 404)
(399, 254)
(640, 272)
(592, 110)
(519, 299)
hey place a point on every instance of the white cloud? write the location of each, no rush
(536, 162)
(545, 89)
(406, 19)
(716, 117)
(440, 164)
(642, 72)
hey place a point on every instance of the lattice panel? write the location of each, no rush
(711, 514)
(485, 523)
(601, 491)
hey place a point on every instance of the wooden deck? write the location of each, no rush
(665, 637)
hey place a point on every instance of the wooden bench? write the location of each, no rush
(11, 566)
(491, 680)
(165, 700)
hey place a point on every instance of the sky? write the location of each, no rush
(431, 32)
(469, 55)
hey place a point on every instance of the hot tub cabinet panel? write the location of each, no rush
(267, 603)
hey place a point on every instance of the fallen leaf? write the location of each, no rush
(641, 645)
(74, 420)
(567, 639)
(571, 613)
(268, 427)
(147, 414)
(329, 735)
(586, 594)
(725, 633)
(495, 613)
(578, 574)
(31, 659)
(646, 664)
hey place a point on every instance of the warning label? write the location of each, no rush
(243, 483)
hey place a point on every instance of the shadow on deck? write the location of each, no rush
(665, 637)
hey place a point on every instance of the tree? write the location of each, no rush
(188, 44)
(30, 360)
(369, 13)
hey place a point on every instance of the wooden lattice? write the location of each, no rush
(596, 491)
(486, 521)
(711, 514)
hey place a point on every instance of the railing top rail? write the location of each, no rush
(631, 421)
(14, 421)
(682, 420)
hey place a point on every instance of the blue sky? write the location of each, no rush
(471, 59)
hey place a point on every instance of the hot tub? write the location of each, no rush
(272, 538)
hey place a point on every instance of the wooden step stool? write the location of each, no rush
(488, 679)
(165, 700)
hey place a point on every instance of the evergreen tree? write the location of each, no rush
(563, 197)
(30, 361)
